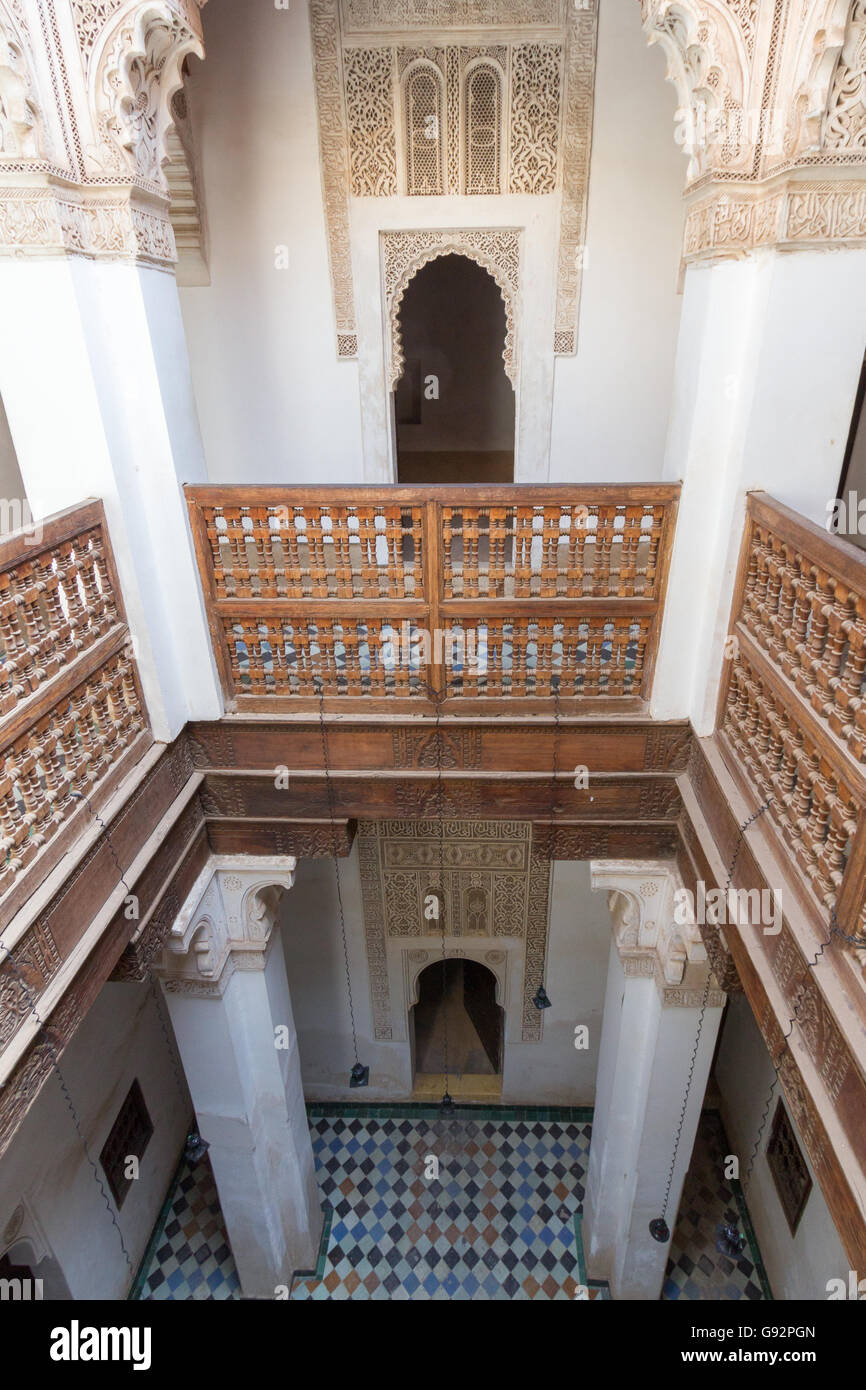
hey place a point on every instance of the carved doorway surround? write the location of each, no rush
(404, 253)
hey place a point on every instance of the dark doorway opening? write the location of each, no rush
(454, 404)
(458, 1026)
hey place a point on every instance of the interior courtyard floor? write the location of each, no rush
(502, 1222)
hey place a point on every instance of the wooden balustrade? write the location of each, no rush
(398, 599)
(71, 714)
(791, 711)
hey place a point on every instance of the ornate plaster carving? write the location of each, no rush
(492, 880)
(789, 215)
(844, 125)
(543, 98)
(136, 73)
(766, 94)
(363, 16)
(403, 255)
(648, 938)
(20, 126)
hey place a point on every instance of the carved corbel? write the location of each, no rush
(20, 128)
(133, 81)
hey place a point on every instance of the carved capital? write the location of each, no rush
(650, 939)
(225, 924)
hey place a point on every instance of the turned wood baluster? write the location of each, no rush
(55, 780)
(603, 543)
(88, 549)
(821, 603)
(100, 565)
(849, 691)
(11, 832)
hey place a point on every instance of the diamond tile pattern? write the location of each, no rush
(191, 1256)
(497, 1223)
(696, 1269)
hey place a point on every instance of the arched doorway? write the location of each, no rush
(457, 1027)
(454, 405)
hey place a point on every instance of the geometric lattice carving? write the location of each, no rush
(574, 159)
(482, 118)
(483, 125)
(424, 113)
(370, 114)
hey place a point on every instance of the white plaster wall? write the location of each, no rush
(611, 401)
(276, 405)
(120, 1039)
(760, 402)
(798, 1267)
(551, 1071)
(274, 402)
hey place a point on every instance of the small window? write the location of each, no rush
(788, 1168)
(129, 1137)
(482, 121)
(424, 130)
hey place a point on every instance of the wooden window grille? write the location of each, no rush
(129, 1137)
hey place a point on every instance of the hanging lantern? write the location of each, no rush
(729, 1240)
(541, 1000)
(659, 1230)
(359, 1076)
(195, 1149)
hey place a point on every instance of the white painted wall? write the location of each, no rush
(760, 402)
(551, 1071)
(119, 1040)
(274, 401)
(798, 1267)
(611, 401)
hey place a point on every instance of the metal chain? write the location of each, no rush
(703, 1009)
(327, 768)
(438, 696)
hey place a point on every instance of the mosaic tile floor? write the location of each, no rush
(498, 1224)
(697, 1269)
(189, 1255)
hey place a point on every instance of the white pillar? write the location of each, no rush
(656, 982)
(768, 361)
(95, 380)
(224, 977)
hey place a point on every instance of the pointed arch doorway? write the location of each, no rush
(454, 406)
(456, 1025)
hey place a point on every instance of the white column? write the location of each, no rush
(95, 380)
(768, 360)
(656, 982)
(224, 977)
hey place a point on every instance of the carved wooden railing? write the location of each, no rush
(792, 713)
(400, 598)
(72, 718)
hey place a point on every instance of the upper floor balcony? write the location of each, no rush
(463, 599)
